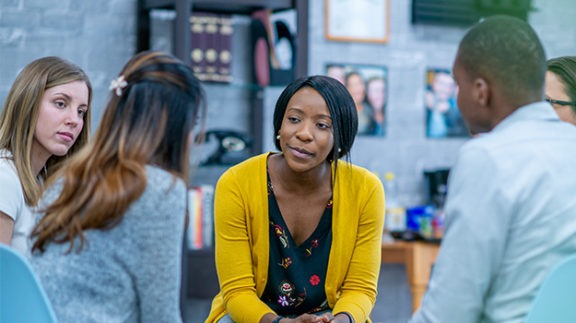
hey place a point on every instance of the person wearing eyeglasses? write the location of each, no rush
(561, 87)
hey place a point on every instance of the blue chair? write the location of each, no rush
(555, 300)
(22, 298)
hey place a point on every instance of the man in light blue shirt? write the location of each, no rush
(511, 210)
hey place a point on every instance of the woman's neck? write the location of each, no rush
(303, 182)
(38, 158)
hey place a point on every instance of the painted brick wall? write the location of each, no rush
(98, 35)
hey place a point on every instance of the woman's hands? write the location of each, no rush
(324, 318)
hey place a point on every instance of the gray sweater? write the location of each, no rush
(130, 273)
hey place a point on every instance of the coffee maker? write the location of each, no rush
(436, 186)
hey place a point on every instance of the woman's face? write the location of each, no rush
(356, 87)
(555, 90)
(376, 93)
(60, 119)
(306, 135)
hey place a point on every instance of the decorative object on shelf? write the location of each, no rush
(274, 46)
(211, 52)
(224, 147)
(368, 86)
(357, 20)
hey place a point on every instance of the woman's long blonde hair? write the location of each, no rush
(149, 122)
(20, 115)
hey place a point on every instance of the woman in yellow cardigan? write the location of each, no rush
(298, 233)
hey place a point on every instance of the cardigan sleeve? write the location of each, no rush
(357, 293)
(234, 249)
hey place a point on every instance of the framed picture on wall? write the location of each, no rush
(357, 20)
(443, 118)
(367, 85)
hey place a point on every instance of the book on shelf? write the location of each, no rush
(200, 233)
(211, 52)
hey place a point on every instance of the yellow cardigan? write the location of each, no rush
(242, 242)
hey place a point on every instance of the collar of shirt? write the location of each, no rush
(534, 111)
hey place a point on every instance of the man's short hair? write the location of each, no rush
(507, 52)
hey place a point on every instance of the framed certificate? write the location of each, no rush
(357, 20)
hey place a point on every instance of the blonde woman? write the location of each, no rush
(45, 119)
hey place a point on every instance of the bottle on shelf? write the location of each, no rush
(395, 222)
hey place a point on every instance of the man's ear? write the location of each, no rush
(481, 91)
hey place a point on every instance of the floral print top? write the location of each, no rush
(296, 274)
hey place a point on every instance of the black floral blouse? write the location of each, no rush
(297, 274)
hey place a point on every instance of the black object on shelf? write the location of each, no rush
(437, 186)
(225, 147)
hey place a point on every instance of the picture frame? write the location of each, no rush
(357, 20)
(443, 118)
(368, 86)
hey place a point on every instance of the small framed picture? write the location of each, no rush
(367, 85)
(443, 118)
(357, 20)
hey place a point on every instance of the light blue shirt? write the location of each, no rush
(510, 217)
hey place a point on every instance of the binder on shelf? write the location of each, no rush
(211, 52)
(200, 234)
(197, 55)
(211, 30)
(224, 62)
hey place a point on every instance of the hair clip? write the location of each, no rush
(118, 84)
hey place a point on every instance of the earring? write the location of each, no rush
(278, 137)
(339, 150)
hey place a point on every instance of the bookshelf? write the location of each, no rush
(182, 44)
(199, 276)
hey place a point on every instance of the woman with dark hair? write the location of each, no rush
(298, 232)
(108, 246)
(561, 87)
(46, 119)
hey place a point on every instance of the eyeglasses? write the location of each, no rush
(560, 102)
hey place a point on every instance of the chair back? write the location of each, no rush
(555, 300)
(22, 298)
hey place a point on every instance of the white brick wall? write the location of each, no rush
(98, 35)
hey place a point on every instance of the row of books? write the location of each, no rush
(200, 233)
(211, 53)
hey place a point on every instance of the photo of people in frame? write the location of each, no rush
(367, 85)
(443, 118)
